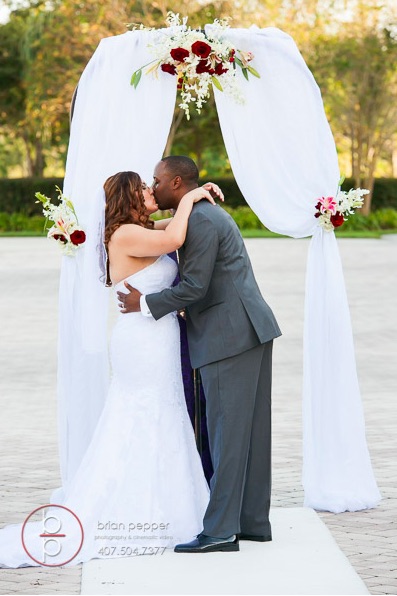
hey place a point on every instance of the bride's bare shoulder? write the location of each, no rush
(125, 231)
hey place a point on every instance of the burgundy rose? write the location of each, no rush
(170, 68)
(202, 49)
(77, 237)
(219, 70)
(337, 219)
(203, 66)
(179, 54)
(231, 56)
(60, 237)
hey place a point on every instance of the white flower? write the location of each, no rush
(65, 222)
(216, 67)
(325, 221)
(344, 203)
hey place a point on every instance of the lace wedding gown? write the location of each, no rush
(140, 485)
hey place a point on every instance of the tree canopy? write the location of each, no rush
(351, 48)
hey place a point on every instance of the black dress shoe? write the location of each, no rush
(208, 544)
(255, 538)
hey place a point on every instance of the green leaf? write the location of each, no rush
(137, 78)
(41, 197)
(245, 73)
(216, 83)
(238, 61)
(254, 72)
(342, 179)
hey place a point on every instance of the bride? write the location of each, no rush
(140, 485)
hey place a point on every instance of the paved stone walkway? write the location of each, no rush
(29, 274)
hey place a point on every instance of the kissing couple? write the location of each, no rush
(142, 468)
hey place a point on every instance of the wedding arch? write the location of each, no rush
(283, 157)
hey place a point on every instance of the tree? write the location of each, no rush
(356, 68)
(12, 88)
(45, 49)
(46, 45)
(201, 139)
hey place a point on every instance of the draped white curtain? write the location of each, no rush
(283, 157)
(114, 128)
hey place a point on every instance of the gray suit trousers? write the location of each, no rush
(238, 394)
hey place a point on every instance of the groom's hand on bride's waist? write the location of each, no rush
(129, 302)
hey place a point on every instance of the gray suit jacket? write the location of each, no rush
(225, 311)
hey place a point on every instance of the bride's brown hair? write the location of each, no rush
(124, 205)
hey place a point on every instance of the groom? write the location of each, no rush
(230, 333)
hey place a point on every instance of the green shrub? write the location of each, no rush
(18, 222)
(386, 219)
(383, 219)
(358, 222)
(245, 218)
(17, 195)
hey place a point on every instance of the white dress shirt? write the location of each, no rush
(145, 310)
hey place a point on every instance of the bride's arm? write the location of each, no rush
(161, 224)
(137, 241)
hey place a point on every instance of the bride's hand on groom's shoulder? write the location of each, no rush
(129, 302)
(214, 190)
(208, 191)
(197, 194)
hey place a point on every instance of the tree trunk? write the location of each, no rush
(176, 121)
(35, 162)
(29, 156)
(198, 147)
(39, 162)
(368, 183)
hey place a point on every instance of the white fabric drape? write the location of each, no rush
(283, 157)
(114, 128)
(337, 472)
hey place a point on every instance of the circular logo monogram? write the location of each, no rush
(54, 535)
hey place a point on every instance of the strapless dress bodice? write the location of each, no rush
(155, 277)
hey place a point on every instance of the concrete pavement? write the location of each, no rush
(29, 460)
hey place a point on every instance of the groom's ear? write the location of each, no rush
(176, 182)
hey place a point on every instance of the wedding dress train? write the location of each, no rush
(140, 486)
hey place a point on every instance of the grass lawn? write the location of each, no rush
(21, 233)
(251, 234)
(339, 234)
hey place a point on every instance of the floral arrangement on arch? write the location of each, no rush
(65, 229)
(198, 61)
(332, 212)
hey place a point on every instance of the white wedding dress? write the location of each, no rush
(140, 486)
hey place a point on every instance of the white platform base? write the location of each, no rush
(302, 559)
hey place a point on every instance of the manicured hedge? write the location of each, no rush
(17, 195)
(19, 222)
(382, 219)
(385, 192)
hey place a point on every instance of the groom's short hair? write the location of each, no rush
(180, 165)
